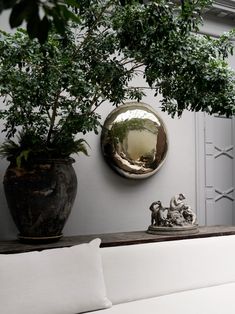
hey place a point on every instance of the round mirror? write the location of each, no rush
(134, 140)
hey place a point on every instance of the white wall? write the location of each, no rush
(107, 202)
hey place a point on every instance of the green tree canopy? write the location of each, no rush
(52, 90)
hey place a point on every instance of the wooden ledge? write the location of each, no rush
(114, 239)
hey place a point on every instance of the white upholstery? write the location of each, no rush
(58, 281)
(148, 270)
(213, 300)
(175, 277)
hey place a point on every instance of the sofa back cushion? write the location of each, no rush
(146, 270)
(58, 281)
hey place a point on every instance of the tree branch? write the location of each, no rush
(53, 116)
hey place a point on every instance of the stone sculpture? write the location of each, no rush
(178, 217)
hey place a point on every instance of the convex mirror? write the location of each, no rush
(134, 140)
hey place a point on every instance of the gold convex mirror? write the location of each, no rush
(134, 140)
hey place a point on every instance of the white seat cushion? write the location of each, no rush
(211, 300)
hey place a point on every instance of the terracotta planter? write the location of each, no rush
(40, 198)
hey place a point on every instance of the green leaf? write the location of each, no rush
(70, 15)
(58, 21)
(44, 28)
(23, 156)
(19, 12)
(33, 23)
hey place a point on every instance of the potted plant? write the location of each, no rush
(51, 92)
(42, 119)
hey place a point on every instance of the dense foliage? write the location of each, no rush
(52, 90)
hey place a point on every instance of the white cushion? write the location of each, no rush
(147, 270)
(212, 300)
(58, 281)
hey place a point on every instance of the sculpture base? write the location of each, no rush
(191, 229)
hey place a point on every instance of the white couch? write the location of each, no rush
(194, 276)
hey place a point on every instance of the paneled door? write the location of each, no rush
(219, 151)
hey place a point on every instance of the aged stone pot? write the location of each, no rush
(40, 198)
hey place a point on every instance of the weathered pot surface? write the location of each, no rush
(40, 198)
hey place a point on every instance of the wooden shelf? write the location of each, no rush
(114, 239)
